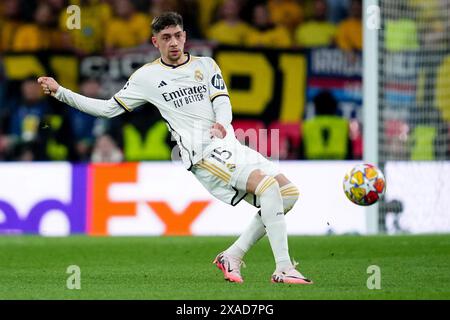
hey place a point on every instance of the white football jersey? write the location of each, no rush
(183, 94)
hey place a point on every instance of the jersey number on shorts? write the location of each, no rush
(221, 155)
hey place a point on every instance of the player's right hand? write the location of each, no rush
(218, 131)
(49, 85)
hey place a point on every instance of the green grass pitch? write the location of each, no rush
(412, 267)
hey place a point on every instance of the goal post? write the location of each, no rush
(371, 24)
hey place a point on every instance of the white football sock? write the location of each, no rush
(272, 215)
(256, 230)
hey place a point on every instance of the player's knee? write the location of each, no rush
(290, 194)
(289, 203)
(268, 188)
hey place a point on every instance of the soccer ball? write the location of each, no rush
(364, 185)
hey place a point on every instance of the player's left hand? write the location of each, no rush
(218, 131)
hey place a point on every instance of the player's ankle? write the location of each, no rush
(283, 265)
(235, 252)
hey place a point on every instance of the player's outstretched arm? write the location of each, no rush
(94, 107)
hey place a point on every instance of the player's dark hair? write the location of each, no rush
(167, 19)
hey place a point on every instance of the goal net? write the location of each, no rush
(414, 97)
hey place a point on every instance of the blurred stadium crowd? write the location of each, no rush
(34, 127)
(108, 24)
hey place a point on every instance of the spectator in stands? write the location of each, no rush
(326, 135)
(128, 28)
(38, 127)
(189, 9)
(90, 38)
(400, 31)
(6, 142)
(205, 14)
(9, 23)
(56, 134)
(58, 5)
(265, 33)
(349, 32)
(317, 32)
(27, 115)
(288, 13)
(428, 137)
(28, 112)
(230, 29)
(142, 135)
(159, 6)
(337, 10)
(106, 150)
(82, 123)
(25, 152)
(42, 34)
(433, 20)
(5, 146)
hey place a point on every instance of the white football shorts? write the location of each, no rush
(225, 170)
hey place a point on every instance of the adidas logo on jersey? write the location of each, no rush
(162, 84)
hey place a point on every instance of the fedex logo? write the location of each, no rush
(85, 195)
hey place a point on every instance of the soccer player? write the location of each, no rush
(192, 97)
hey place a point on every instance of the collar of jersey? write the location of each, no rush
(173, 66)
